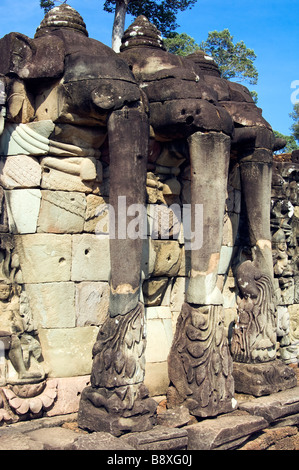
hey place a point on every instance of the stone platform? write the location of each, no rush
(268, 422)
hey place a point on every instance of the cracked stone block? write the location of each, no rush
(44, 257)
(91, 258)
(61, 212)
(23, 208)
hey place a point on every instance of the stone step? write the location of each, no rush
(225, 432)
(275, 406)
(262, 419)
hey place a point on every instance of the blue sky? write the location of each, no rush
(270, 27)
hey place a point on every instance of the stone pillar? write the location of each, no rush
(209, 159)
(199, 363)
(254, 338)
(256, 177)
(117, 400)
(128, 147)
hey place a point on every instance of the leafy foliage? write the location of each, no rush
(161, 13)
(234, 60)
(181, 44)
(291, 142)
(47, 5)
(295, 116)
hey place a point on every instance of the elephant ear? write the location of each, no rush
(15, 52)
(31, 58)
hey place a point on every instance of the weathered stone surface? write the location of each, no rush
(56, 438)
(159, 333)
(125, 126)
(224, 432)
(257, 207)
(69, 391)
(225, 259)
(61, 212)
(20, 171)
(254, 342)
(117, 400)
(178, 293)
(19, 102)
(97, 214)
(154, 193)
(292, 420)
(98, 441)
(230, 229)
(156, 378)
(229, 293)
(161, 438)
(168, 258)
(44, 257)
(26, 139)
(85, 138)
(165, 301)
(91, 258)
(111, 411)
(210, 151)
(185, 267)
(76, 89)
(74, 345)
(174, 418)
(19, 441)
(285, 438)
(148, 258)
(264, 378)
(199, 363)
(32, 425)
(59, 180)
(173, 154)
(23, 209)
(296, 293)
(122, 339)
(153, 290)
(294, 321)
(274, 406)
(287, 289)
(230, 315)
(92, 301)
(52, 304)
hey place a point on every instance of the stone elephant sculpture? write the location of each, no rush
(189, 100)
(64, 94)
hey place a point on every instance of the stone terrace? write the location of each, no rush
(264, 423)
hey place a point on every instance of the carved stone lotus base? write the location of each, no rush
(117, 411)
(27, 401)
(117, 400)
(264, 378)
(199, 363)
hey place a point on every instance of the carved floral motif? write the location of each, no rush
(254, 335)
(21, 400)
(199, 362)
(117, 399)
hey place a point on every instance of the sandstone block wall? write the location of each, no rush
(60, 258)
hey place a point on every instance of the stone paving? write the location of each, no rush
(269, 422)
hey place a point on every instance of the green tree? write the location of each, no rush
(291, 142)
(162, 13)
(181, 44)
(47, 5)
(235, 61)
(295, 116)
